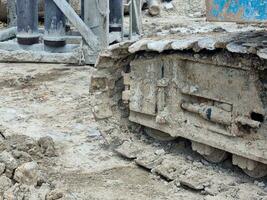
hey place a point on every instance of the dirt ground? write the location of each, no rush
(40, 100)
(53, 101)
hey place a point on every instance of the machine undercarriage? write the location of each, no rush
(210, 90)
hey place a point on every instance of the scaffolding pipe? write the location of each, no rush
(27, 22)
(82, 9)
(55, 25)
(115, 15)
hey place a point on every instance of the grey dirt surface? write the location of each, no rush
(39, 100)
(51, 103)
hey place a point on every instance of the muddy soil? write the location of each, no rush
(40, 100)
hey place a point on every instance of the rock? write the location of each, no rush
(2, 168)
(54, 195)
(213, 189)
(5, 184)
(177, 183)
(25, 192)
(23, 143)
(17, 192)
(195, 181)
(169, 168)
(197, 164)
(168, 5)
(47, 146)
(39, 193)
(261, 184)
(94, 133)
(27, 173)
(3, 145)
(148, 160)
(102, 111)
(10, 163)
(21, 156)
(102, 108)
(189, 158)
(129, 150)
(160, 152)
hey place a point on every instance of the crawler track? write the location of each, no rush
(120, 70)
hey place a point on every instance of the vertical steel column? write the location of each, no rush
(55, 25)
(11, 13)
(115, 15)
(82, 10)
(67, 21)
(27, 22)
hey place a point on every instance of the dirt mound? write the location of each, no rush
(21, 175)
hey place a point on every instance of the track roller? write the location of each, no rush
(158, 135)
(252, 168)
(211, 154)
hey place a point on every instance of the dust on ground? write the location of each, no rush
(53, 101)
(49, 108)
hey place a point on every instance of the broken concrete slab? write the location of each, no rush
(2, 168)
(10, 163)
(129, 150)
(47, 146)
(195, 181)
(5, 184)
(102, 111)
(27, 173)
(170, 168)
(149, 160)
(55, 194)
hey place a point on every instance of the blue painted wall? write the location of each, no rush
(237, 10)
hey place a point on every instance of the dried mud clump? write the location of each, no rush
(21, 177)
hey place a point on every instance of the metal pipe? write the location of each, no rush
(55, 25)
(27, 22)
(82, 10)
(115, 15)
(11, 10)
(67, 22)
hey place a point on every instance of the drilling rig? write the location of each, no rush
(207, 87)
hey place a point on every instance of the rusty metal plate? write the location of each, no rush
(237, 10)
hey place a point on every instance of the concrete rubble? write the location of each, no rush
(19, 173)
(48, 119)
